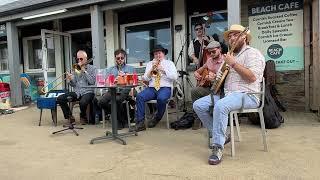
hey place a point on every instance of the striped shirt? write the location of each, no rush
(84, 79)
(252, 59)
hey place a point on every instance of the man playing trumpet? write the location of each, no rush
(85, 77)
(160, 73)
(245, 75)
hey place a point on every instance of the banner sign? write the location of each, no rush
(277, 31)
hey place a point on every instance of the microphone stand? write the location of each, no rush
(183, 73)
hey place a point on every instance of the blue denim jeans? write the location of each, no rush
(222, 107)
(149, 93)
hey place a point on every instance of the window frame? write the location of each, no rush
(123, 35)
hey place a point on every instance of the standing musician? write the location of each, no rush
(120, 69)
(194, 51)
(245, 75)
(160, 73)
(206, 74)
(77, 80)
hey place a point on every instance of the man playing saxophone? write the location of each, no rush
(160, 73)
(86, 76)
(245, 75)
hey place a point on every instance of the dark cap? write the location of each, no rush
(158, 47)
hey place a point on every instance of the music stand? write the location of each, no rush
(71, 125)
(183, 73)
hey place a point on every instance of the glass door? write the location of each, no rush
(46, 57)
(56, 57)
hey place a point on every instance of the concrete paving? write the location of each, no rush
(32, 152)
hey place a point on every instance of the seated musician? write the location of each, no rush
(245, 75)
(206, 74)
(119, 69)
(84, 95)
(160, 73)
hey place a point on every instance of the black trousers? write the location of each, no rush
(84, 101)
(104, 102)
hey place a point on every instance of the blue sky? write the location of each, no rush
(2, 2)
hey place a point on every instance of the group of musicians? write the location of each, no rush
(246, 66)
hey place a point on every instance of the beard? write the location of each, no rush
(239, 46)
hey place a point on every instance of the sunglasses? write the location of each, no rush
(118, 58)
(212, 51)
(79, 59)
(198, 29)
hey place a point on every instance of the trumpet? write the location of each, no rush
(75, 67)
(155, 71)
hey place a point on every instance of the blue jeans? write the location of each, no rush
(222, 107)
(149, 93)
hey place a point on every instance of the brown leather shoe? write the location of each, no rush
(83, 121)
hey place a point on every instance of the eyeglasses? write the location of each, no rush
(118, 58)
(233, 34)
(198, 29)
(79, 59)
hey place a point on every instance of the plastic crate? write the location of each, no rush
(46, 103)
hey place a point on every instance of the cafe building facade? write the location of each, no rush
(40, 38)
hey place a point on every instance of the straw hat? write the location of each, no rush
(236, 28)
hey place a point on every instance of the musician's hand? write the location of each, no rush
(161, 69)
(196, 60)
(121, 73)
(69, 76)
(197, 76)
(211, 76)
(229, 58)
(205, 38)
(83, 68)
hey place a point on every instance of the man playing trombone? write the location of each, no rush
(77, 79)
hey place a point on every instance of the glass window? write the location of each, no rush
(4, 66)
(140, 39)
(218, 24)
(35, 54)
(215, 25)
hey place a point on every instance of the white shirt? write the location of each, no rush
(167, 78)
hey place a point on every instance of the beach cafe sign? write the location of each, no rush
(277, 31)
(3, 31)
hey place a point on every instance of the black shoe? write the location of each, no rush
(140, 126)
(152, 123)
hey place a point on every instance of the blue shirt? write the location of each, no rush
(124, 68)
